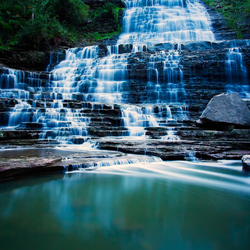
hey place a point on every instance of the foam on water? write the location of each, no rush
(221, 175)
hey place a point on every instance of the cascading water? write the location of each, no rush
(159, 21)
(152, 22)
(85, 77)
(136, 119)
(171, 88)
(237, 77)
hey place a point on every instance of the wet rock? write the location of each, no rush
(226, 109)
(32, 60)
(102, 50)
(246, 162)
(125, 48)
(6, 103)
(9, 135)
(16, 163)
(30, 126)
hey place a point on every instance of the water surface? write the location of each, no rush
(168, 205)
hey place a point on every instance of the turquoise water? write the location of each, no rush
(168, 205)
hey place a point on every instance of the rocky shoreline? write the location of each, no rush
(25, 161)
(19, 161)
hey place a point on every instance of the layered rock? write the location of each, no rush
(36, 161)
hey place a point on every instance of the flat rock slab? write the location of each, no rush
(20, 162)
(227, 109)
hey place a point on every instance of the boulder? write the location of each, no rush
(226, 109)
(246, 162)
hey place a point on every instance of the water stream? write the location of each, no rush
(161, 205)
(237, 75)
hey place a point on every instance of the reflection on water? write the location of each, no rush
(168, 205)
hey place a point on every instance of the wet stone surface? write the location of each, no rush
(21, 162)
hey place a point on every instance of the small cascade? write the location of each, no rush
(171, 135)
(13, 85)
(74, 76)
(171, 123)
(190, 156)
(111, 75)
(20, 114)
(64, 124)
(237, 77)
(170, 87)
(236, 70)
(35, 107)
(128, 161)
(137, 118)
(118, 161)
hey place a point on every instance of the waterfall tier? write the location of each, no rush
(151, 22)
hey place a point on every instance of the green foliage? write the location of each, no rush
(71, 12)
(108, 11)
(42, 27)
(31, 22)
(97, 36)
(236, 13)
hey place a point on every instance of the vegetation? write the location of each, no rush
(236, 13)
(32, 23)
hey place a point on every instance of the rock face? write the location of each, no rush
(221, 28)
(20, 163)
(219, 10)
(227, 108)
(92, 2)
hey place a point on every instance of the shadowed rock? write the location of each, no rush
(226, 109)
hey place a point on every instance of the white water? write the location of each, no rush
(223, 175)
(237, 76)
(163, 205)
(159, 21)
(117, 161)
(83, 76)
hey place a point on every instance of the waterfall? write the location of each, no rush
(123, 160)
(63, 101)
(237, 77)
(159, 21)
(171, 88)
(137, 118)
(151, 22)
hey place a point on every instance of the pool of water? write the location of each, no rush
(168, 205)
